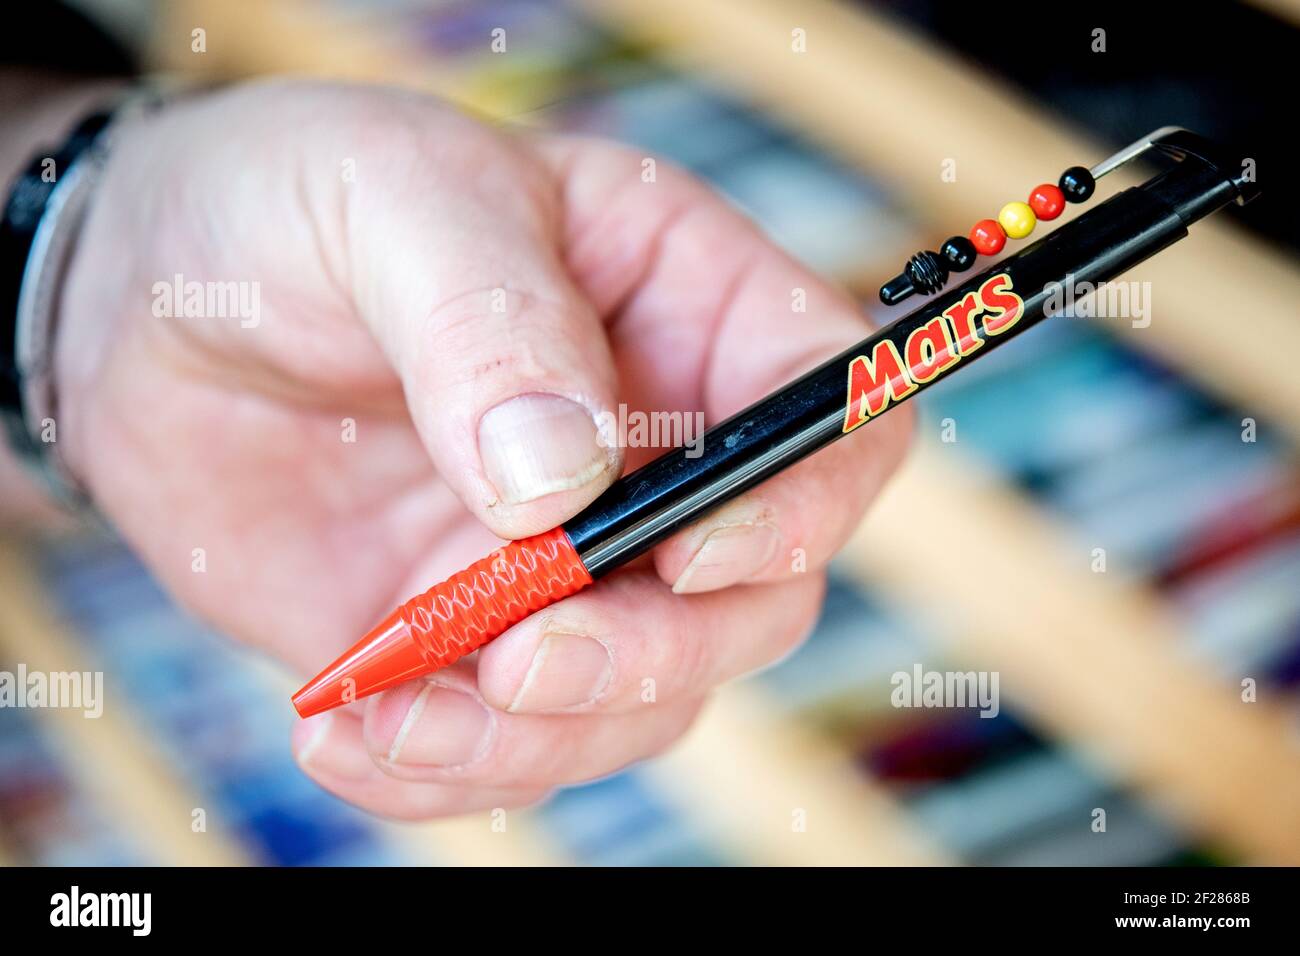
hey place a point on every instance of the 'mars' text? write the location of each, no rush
(931, 349)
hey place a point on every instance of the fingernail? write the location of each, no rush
(538, 444)
(727, 556)
(442, 728)
(308, 735)
(308, 739)
(568, 669)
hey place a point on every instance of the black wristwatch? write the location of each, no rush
(40, 222)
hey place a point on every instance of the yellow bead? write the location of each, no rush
(1017, 220)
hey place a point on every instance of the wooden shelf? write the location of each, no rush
(1086, 656)
(1282, 9)
(110, 757)
(750, 777)
(897, 107)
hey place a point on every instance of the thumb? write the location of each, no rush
(505, 365)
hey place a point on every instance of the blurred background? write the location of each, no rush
(1162, 690)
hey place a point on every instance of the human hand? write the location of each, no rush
(463, 302)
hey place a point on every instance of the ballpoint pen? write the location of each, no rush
(644, 507)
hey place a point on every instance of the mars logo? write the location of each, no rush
(931, 349)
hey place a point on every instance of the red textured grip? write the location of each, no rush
(472, 607)
(450, 620)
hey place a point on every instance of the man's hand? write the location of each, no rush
(423, 320)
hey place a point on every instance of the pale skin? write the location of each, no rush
(379, 226)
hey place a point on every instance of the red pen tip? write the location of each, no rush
(450, 620)
(387, 655)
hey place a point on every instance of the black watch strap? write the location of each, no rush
(33, 195)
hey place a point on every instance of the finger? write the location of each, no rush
(631, 641)
(329, 748)
(791, 524)
(717, 318)
(441, 730)
(504, 363)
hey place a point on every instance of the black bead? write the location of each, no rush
(897, 289)
(925, 272)
(959, 253)
(1077, 184)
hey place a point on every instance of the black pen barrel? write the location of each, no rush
(646, 506)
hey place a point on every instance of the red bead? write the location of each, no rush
(987, 237)
(1047, 201)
